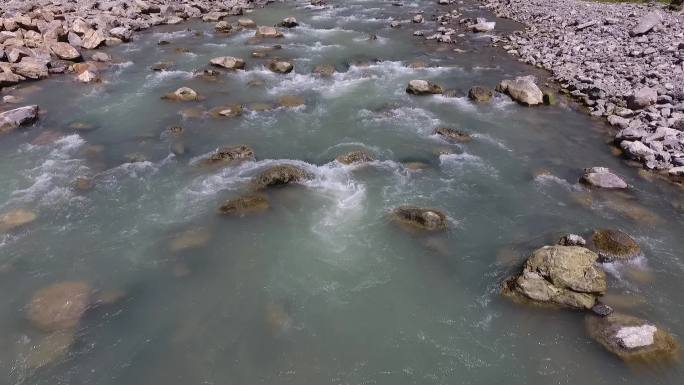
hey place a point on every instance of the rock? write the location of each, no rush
(246, 23)
(523, 90)
(484, 26)
(244, 204)
(289, 22)
(423, 87)
(279, 175)
(267, 32)
(642, 98)
(637, 150)
(59, 306)
(572, 240)
(421, 218)
(86, 77)
(92, 39)
(291, 101)
(559, 275)
(355, 157)
(162, 66)
(602, 310)
(100, 57)
(418, 19)
(632, 338)
(480, 94)
(646, 23)
(614, 245)
(453, 135)
(602, 177)
(17, 218)
(50, 349)
(65, 51)
(83, 183)
(676, 171)
(618, 121)
(190, 239)
(123, 33)
(324, 70)
(230, 155)
(223, 27)
(280, 66)
(184, 94)
(12, 119)
(31, 68)
(8, 79)
(229, 62)
(549, 98)
(229, 111)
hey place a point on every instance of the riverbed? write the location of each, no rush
(322, 287)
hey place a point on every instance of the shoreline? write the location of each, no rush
(623, 61)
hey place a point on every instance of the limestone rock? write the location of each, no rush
(268, 32)
(12, 119)
(642, 98)
(92, 39)
(423, 87)
(614, 245)
(230, 154)
(289, 22)
(523, 90)
(646, 23)
(229, 62)
(229, 111)
(65, 51)
(184, 94)
(602, 177)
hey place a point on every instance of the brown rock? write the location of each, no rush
(614, 245)
(291, 101)
(422, 218)
(355, 157)
(244, 204)
(59, 306)
(279, 175)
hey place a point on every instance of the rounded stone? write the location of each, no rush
(59, 306)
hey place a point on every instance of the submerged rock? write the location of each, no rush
(59, 306)
(572, 240)
(279, 175)
(614, 245)
(423, 87)
(183, 94)
(291, 101)
(229, 62)
(324, 70)
(16, 218)
(245, 204)
(632, 338)
(264, 31)
(355, 157)
(523, 90)
(281, 66)
(229, 111)
(453, 134)
(602, 177)
(289, 22)
(559, 275)
(246, 23)
(50, 349)
(422, 218)
(230, 154)
(480, 94)
(12, 119)
(190, 239)
(162, 66)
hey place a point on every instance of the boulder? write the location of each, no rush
(246, 23)
(59, 306)
(642, 98)
(453, 134)
(572, 240)
(646, 23)
(50, 349)
(100, 57)
(523, 90)
(418, 19)
(16, 218)
(190, 239)
(614, 245)
(162, 66)
(637, 150)
(9, 79)
(12, 119)
(264, 31)
(423, 87)
(559, 275)
(279, 175)
(228, 111)
(602, 177)
(65, 51)
(230, 154)
(421, 218)
(324, 70)
(483, 26)
(632, 338)
(87, 77)
(229, 62)
(280, 66)
(92, 39)
(480, 94)
(31, 68)
(291, 101)
(244, 204)
(355, 157)
(289, 22)
(183, 94)
(223, 27)
(123, 33)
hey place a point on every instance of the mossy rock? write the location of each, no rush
(421, 218)
(279, 175)
(453, 134)
(244, 204)
(614, 245)
(355, 157)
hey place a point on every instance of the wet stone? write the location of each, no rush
(59, 306)
(244, 204)
(453, 135)
(355, 157)
(279, 175)
(421, 218)
(614, 245)
(15, 219)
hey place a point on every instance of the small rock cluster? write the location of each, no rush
(623, 61)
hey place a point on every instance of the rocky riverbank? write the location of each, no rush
(40, 37)
(623, 61)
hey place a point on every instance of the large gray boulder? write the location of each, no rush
(602, 177)
(9, 120)
(559, 275)
(646, 23)
(523, 90)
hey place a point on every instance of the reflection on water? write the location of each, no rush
(322, 287)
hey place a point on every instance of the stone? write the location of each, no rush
(326, 70)
(280, 66)
(279, 175)
(13, 119)
(676, 171)
(16, 218)
(230, 155)
(190, 240)
(291, 101)
(229, 62)
(86, 77)
(602, 310)
(642, 98)
(8, 79)
(184, 94)
(602, 177)
(614, 245)
(244, 204)
(31, 68)
(632, 338)
(289, 22)
(483, 26)
(354, 157)
(50, 349)
(65, 51)
(223, 27)
(100, 57)
(480, 94)
(572, 240)
(646, 23)
(559, 275)
(228, 111)
(123, 33)
(418, 19)
(83, 183)
(59, 306)
(423, 87)
(637, 150)
(92, 39)
(453, 135)
(246, 23)
(420, 218)
(267, 32)
(523, 90)
(162, 66)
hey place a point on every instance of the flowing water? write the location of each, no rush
(322, 288)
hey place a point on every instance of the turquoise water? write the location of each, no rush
(322, 287)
